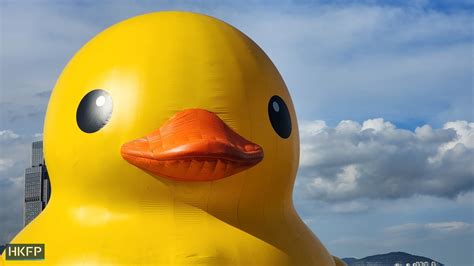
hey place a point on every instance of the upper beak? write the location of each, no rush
(194, 145)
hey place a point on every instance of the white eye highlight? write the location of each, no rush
(276, 107)
(100, 101)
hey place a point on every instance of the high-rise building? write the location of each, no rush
(37, 185)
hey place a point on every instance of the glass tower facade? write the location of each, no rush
(37, 185)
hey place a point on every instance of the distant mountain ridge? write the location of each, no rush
(388, 259)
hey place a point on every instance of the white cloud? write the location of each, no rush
(377, 124)
(450, 227)
(378, 160)
(465, 137)
(38, 136)
(344, 182)
(6, 135)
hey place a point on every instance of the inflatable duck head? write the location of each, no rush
(178, 111)
(173, 103)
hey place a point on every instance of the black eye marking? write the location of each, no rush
(279, 116)
(94, 111)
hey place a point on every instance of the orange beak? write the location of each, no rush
(194, 145)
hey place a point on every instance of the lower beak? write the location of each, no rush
(194, 145)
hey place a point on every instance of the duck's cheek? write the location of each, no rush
(194, 145)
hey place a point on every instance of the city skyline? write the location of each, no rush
(382, 90)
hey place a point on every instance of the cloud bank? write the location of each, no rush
(377, 160)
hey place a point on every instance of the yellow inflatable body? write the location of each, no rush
(171, 138)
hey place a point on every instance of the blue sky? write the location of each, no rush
(383, 92)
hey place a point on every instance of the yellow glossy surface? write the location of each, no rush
(105, 210)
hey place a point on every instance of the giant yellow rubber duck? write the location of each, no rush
(171, 139)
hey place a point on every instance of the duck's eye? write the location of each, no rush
(94, 111)
(279, 116)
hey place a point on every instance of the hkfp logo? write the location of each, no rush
(24, 252)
